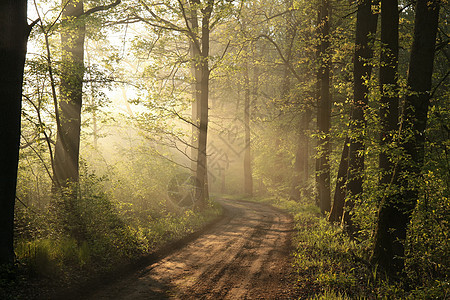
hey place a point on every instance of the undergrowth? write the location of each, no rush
(329, 265)
(62, 247)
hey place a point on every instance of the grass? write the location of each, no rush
(52, 259)
(329, 265)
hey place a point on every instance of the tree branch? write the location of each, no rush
(178, 116)
(285, 61)
(101, 8)
(223, 54)
(168, 24)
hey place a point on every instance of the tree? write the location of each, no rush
(395, 210)
(193, 19)
(71, 93)
(388, 84)
(201, 171)
(248, 179)
(297, 98)
(67, 147)
(337, 210)
(196, 73)
(301, 157)
(14, 32)
(366, 23)
(324, 108)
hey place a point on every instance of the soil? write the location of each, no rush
(246, 255)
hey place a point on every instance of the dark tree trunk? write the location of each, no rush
(248, 179)
(201, 170)
(324, 110)
(305, 157)
(388, 85)
(290, 37)
(13, 41)
(366, 24)
(339, 193)
(395, 211)
(68, 140)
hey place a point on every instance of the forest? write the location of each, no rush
(127, 126)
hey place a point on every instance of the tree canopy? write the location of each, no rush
(121, 117)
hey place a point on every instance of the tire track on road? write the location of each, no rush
(245, 256)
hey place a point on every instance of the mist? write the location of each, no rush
(224, 149)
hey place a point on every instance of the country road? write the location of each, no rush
(244, 256)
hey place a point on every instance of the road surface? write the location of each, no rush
(244, 256)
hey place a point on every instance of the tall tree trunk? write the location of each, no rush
(366, 24)
(388, 84)
(300, 177)
(68, 140)
(67, 147)
(324, 109)
(248, 180)
(13, 41)
(340, 191)
(305, 158)
(196, 72)
(395, 211)
(201, 169)
(290, 37)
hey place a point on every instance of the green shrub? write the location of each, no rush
(329, 265)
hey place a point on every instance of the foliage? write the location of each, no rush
(330, 265)
(114, 233)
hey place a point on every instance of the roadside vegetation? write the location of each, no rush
(328, 264)
(111, 234)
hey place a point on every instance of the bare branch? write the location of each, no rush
(178, 116)
(170, 27)
(47, 138)
(286, 62)
(168, 24)
(439, 83)
(221, 58)
(42, 160)
(26, 206)
(101, 8)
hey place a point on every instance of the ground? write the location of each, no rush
(244, 256)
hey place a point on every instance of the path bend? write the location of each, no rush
(244, 256)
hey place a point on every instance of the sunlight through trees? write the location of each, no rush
(122, 121)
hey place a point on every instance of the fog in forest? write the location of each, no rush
(131, 126)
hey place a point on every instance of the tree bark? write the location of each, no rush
(13, 40)
(248, 179)
(340, 191)
(395, 211)
(366, 24)
(324, 109)
(71, 90)
(201, 169)
(67, 147)
(388, 85)
(196, 72)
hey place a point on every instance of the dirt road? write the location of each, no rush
(244, 256)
